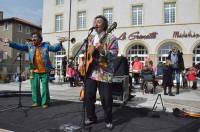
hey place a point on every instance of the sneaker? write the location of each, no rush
(35, 105)
(45, 106)
(109, 125)
(89, 122)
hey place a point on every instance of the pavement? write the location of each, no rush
(187, 99)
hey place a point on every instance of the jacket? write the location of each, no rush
(45, 48)
(181, 66)
(192, 74)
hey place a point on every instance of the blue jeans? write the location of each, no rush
(177, 75)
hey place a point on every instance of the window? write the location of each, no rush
(164, 50)
(19, 28)
(28, 30)
(170, 13)
(82, 19)
(59, 2)
(108, 13)
(137, 50)
(196, 54)
(58, 61)
(59, 23)
(137, 15)
(6, 26)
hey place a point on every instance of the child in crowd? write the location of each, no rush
(71, 71)
(192, 76)
(168, 78)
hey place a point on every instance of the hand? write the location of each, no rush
(6, 41)
(99, 47)
(62, 39)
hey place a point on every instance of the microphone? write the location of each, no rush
(92, 28)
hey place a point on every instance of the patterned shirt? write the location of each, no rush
(99, 74)
(39, 63)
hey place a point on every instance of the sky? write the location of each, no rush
(30, 10)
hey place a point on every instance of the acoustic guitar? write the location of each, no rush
(185, 113)
(92, 53)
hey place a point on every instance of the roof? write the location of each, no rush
(20, 21)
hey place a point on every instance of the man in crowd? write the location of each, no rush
(176, 58)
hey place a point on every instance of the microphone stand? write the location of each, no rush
(85, 43)
(20, 84)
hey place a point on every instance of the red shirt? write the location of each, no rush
(192, 74)
(137, 66)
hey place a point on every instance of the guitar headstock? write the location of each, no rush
(112, 27)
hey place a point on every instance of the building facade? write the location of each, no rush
(145, 28)
(16, 30)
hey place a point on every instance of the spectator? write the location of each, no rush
(168, 78)
(137, 67)
(64, 64)
(192, 76)
(72, 74)
(176, 58)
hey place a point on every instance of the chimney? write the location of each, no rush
(1, 15)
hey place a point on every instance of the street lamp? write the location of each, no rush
(69, 28)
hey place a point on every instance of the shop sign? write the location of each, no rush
(137, 35)
(184, 34)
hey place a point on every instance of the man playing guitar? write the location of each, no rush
(98, 76)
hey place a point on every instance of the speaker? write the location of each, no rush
(121, 66)
(120, 88)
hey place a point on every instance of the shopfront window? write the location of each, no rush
(164, 51)
(58, 61)
(196, 54)
(137, 50)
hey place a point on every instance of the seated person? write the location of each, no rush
(147, 75)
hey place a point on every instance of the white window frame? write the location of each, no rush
(137, 50)
(58, 61)
(137, 15)
(59, 21)
(164, 50)
(196, 54)
(108, 13)
(59, 2)
(170, 12)
(81, 19)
